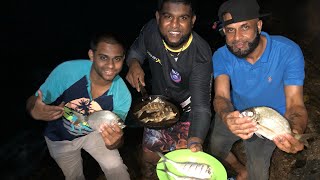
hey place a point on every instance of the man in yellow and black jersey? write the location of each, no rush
(181, 69)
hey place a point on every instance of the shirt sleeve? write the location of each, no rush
(294, 73)
(200, 88)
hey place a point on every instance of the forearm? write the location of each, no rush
(222, 106)
(298, 118)
(30, 105)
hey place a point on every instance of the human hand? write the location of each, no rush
(135, 74)
(241, 126)
(112, 135)
(288, 143)
(195, 144)
(42, 111)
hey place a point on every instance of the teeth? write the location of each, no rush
(174, 33)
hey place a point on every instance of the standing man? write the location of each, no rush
(85, 86)
(181, 69)
(260, 70)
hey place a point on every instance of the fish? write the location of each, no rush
(271, 123)
(177, 177)
(190, 169)
(154, 106)
(97, 118)
(165, 114)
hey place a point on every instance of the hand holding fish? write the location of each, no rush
(112, 135)
(41, 111)
(288, 143)
(241, 126)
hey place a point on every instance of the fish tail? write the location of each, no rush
(304, 138)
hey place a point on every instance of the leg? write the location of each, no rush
(164, 140)
(67, 154)
(259, 152)
(110, 161)
(220, 144)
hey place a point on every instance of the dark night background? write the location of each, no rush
(38, 35)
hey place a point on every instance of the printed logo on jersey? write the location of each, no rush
(74, 115)
(175, 76)
(155, 59)
(269, 79)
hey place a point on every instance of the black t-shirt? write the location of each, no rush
(189, 76)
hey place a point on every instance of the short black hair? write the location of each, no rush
(107, 37)
(191, 3)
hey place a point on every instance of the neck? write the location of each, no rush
(257, 53)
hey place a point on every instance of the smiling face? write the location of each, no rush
(242, 38)
(107, 61)
(175, 22)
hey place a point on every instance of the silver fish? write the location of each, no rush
(270, 123)
(176, 177)
(190, 169)
(97, 118)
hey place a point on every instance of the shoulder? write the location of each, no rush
(75, 64)
(150, 26)
(73, 67)
(200, 41)
(283, 42)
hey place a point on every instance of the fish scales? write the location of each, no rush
(271, 123)
(97, 118)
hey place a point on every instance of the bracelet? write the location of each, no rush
(191, 143)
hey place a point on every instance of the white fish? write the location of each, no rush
(176, 177)
(97, 118)
(270, 123)
(190, 169)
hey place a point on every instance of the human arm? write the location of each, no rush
(135, 74)
(297, 115)
(240, 126)
(41, 111)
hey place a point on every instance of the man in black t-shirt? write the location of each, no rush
(181, 69)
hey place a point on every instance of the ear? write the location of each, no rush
(259, 24)
(157, 16)
(90, 54)
(194, 19)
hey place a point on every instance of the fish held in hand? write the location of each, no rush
(97, 118)
(271, 123)
(190, 169)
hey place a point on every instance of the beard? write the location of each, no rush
(178, 44)
(251, 47)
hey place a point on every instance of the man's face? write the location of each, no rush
(175, 23)
(242, 38)
(107, 61)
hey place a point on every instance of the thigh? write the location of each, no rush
(95, 146)
(221, 139)
(258, 152)
(67, 155)
(165, 140)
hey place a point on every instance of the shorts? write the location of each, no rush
(164, 140)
